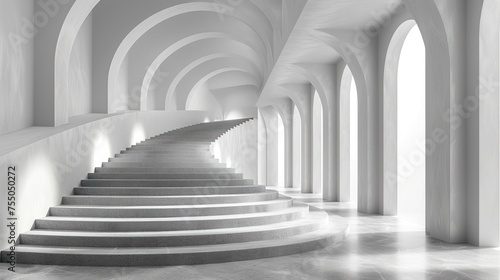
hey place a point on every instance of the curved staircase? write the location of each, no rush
(168, 201)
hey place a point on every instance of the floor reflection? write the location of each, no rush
(377, 248)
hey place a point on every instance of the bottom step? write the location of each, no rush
(166, 256)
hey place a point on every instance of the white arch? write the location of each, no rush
(65, 42)
(159, 17)
(208, 77)
(344, 89)
(153, 68)
(390, 134)
(171, 90)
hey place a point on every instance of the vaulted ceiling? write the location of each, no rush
(159, 52)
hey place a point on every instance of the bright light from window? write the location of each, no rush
(317, 144)
(411, 129)
(354, 143)
(297, 148)
(281, 152)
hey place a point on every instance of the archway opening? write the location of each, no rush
(281, 152)
(353, 148)
(297, 148)
(317, 144)
(348, 138)
(411, 129)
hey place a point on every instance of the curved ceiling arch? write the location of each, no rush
(271, 18)
(296, 100)
(164, 15)
(74, 20)
(197, 38)
(349, 56)
(315, 82)
(77, 15)
(207, 77)
(193, 65)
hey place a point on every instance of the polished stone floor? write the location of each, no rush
(377, 248)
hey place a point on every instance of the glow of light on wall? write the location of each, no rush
(206, 120)
(102, 151)
(229, 162)
(138, 134)
(234, 115)
(38, 187)
(216, 150)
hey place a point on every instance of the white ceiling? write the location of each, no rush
(301, 48)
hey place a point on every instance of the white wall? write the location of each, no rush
(80, 76)
(238, 149)
(51, 166)
(16, 66)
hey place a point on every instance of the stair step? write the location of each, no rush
(167, 152)
(169, 210)
(162, 160)
(171, 223)
(164, 165)
(164, 182)
(167, 200)
(185, 255)
(160, 155)
(167, 148)
(166, 191)
(216, 176)
(178, 145)
(175, 238)
(172, 142)
(161, 170)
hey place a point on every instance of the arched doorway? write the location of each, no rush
(297, 148)
(348, 138)
(353, 150)
(318, 158)
(411, 129)
(281, 152)
(404, 124)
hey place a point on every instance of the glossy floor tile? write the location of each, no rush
(377, 248)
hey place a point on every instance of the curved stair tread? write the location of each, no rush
(293, 209)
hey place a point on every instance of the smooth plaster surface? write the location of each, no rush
(16, 71)
(80, 76)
